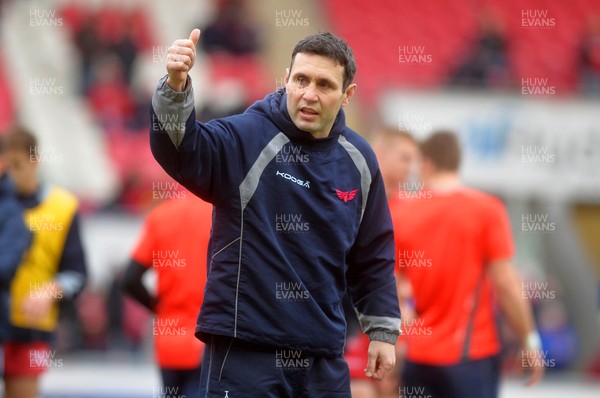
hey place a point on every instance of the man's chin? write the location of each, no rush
(307, 127)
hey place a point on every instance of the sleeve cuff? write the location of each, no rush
(70, 282)
(383, 335)
(172, 109)
(533, 341)
(176, 96)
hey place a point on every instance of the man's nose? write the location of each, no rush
(310, 93)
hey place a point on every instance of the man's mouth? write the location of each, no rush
(305, 110)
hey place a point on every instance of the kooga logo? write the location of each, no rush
(293, 179)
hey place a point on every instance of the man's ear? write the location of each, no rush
(350, 90)
(287, 75)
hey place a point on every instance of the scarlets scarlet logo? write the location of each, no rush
(346, 196)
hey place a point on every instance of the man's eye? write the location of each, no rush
(325, 85)
(301, 80)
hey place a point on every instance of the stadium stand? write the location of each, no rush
(445, 30)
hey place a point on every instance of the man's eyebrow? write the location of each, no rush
(326, 80)
(319, 79)
(299, 74)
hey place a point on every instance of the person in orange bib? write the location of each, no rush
(53, 269)
(396, 150)
(174, 244)
(454, 247)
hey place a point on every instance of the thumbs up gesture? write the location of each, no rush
(180, 59)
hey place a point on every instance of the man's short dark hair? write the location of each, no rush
(20, 139)
(443, 149)
(329, 45)
(386, 133)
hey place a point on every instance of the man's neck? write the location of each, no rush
(389, 193)
(443, 181)
(320, 135)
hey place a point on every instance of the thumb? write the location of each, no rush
(194, 36)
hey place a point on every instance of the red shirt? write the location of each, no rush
(444, 241)
(174, 244)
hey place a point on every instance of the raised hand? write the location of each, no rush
(180, 60)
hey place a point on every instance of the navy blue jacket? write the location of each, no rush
(14, 241)
(297, 221)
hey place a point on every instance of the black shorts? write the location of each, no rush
(232, 368)
(180, 383)
(469, 379)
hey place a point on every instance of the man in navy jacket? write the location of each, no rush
(300, 216)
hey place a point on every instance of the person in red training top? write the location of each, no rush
(174, 244)
(396, 152)
(455, 248)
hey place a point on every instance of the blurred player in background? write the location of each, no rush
(455, 247)
(174, 244)
(396, 152)
(14, 240)
(53, 268)
(272, 316)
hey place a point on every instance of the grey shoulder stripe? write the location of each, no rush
(172, 109)
(361, 164)
(250, 182)
(371, 322)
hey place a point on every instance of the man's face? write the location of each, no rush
(22, 169)
(314, 93)
(397, 158)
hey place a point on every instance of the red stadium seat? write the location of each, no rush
(376, 32)
(7, 108)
